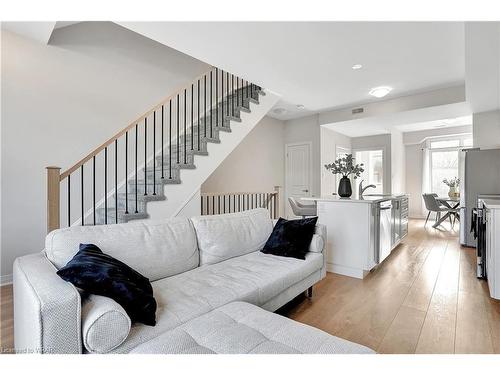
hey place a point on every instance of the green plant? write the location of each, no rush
(345, 166)
(454, 182)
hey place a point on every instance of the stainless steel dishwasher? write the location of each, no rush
(384, 230)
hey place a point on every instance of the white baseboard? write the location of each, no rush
(6, 279)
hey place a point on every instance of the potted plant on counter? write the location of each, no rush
(346, 167)
(453, 184)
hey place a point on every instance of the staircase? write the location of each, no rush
(139, 171)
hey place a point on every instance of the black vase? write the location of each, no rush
(345, 190)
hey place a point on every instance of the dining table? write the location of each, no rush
(449, 202)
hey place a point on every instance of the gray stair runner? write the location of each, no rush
(181, 155)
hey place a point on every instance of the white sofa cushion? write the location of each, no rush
(105, 324)
(317, 244)
(221, 237)
(155, 249)
(241, 328)
(255, 278)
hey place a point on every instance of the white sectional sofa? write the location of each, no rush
(198, 268)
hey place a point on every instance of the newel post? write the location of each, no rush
(277, 208)
(53, 183)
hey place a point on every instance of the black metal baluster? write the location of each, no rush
(227, 91)
(185, 124)
(222, 99)
(126, 172)
(93, 187)
(192, 115)
(198, 115)
(145, 155)
(162, 143)
(201, 205)
(213, 204)
(136, 143)
(237, 91)
(116, 181)
(246, 89)
(232, 95)
(170, 140)
(81, 187)
(217, 97)
(105, 185)
(69, 200)
(218, 204)
(205, 103)
(178, 143)
(154, 153)
(211, 105)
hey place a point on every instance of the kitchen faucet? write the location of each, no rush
(362, 189)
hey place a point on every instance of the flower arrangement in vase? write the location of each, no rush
(453, 184)
(345, 166)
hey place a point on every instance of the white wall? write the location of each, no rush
(382, 141)
(257, 164)
(307, 129)
(330, 140)
(398, 164)
(60, 101)
(414, 143)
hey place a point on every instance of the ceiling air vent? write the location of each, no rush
(356, 111)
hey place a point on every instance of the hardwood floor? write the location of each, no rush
(6, 319)
(425, 298)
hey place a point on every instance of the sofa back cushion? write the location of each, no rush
(221, 237)
(155, 249)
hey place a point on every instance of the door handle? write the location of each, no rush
(305, 191)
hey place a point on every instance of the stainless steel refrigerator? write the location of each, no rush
(480, 175)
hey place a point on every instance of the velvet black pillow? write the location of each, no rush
(95, 272)
(291, 238)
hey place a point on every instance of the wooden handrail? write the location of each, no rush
(238, 193)
(75, 167)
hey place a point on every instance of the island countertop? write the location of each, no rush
(370, 199)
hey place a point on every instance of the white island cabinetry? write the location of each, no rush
(360, 232)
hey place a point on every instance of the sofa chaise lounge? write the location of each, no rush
(215, 291)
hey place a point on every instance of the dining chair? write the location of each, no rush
(432, 205)
(300, 209)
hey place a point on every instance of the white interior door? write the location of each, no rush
(298, 172)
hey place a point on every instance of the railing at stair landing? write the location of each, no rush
(175, 128)
(223, 203)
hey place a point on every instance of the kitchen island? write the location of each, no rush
(361, 233)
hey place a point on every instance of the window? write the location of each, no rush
(373, 161)
(444, 160)
(444, 164)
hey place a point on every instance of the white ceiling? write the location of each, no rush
(435, 124)
(405, 121)
(310, 63)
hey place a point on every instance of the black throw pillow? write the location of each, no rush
(291, 238)
(95, 272)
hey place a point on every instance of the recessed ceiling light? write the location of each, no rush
(357, 66)
(380, 92)
(279, 111)
(300, 106)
